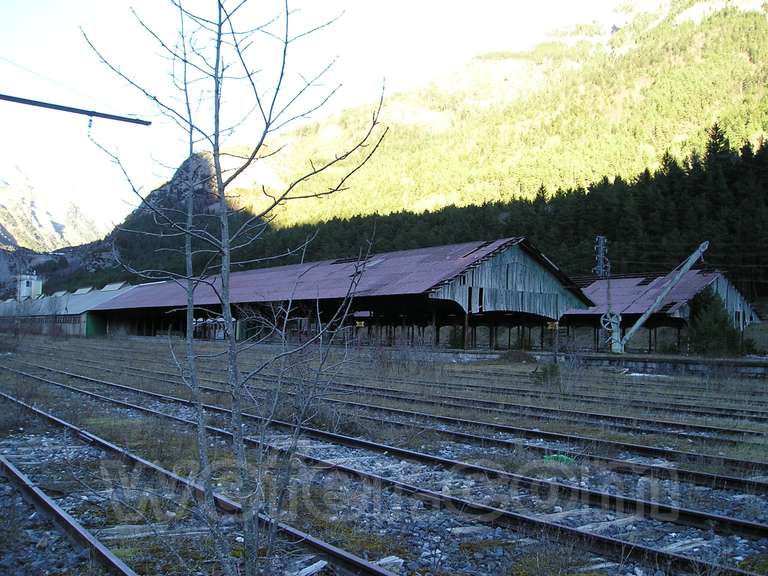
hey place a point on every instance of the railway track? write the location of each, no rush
(63, 520)
(583, 532)
(658, 384)
(698, 433)
(617, 465)
(630, 424)
(623, 423)
(514, 434)
(545, 392)
(93, 448)
(619, 382)
(627, 393)
(600, 498)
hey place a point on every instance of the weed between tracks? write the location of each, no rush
(148, 437)
(341, 421)
(757, 564)
(13, 418)
(177, 450)
(554, 560)
(155, 558)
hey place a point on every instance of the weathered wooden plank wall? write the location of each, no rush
(511, 281)
(740, 313)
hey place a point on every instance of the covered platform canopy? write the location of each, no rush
(631, 296)
(472, 283)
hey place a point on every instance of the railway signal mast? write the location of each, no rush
(610, 321)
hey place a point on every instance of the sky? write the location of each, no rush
(44, 56)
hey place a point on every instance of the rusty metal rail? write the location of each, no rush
(340, 558)
(681, 387)
(605, 500)
(697, 477)
(642, 449)
(624, 423)
(71, 527)
(485, 375)
(630, 424)
(745, 414)
(595, 542)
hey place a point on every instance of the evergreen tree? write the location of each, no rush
(710, 331)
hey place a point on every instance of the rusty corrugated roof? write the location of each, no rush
(392, 273)
(634, 295)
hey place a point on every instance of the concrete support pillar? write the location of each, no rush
(466, 330)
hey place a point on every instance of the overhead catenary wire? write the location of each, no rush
(73, 110)
(55, 82)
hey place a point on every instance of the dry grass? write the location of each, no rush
(337, 418)
(150, 438)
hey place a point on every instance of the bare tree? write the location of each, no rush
(216, 53)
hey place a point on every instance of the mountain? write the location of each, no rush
(146, 239)
(603, 99)
(31, 220)
(606, 128)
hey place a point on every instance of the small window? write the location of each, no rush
(27, 283)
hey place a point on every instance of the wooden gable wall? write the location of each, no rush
(510, 281)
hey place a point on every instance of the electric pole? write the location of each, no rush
(610, 320)
(602, 265)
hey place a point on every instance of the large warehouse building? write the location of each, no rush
(60, 314)
(499, 294)
(427, 295)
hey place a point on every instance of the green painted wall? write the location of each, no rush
(94, 325)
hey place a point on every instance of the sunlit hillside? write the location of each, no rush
(595, 101)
